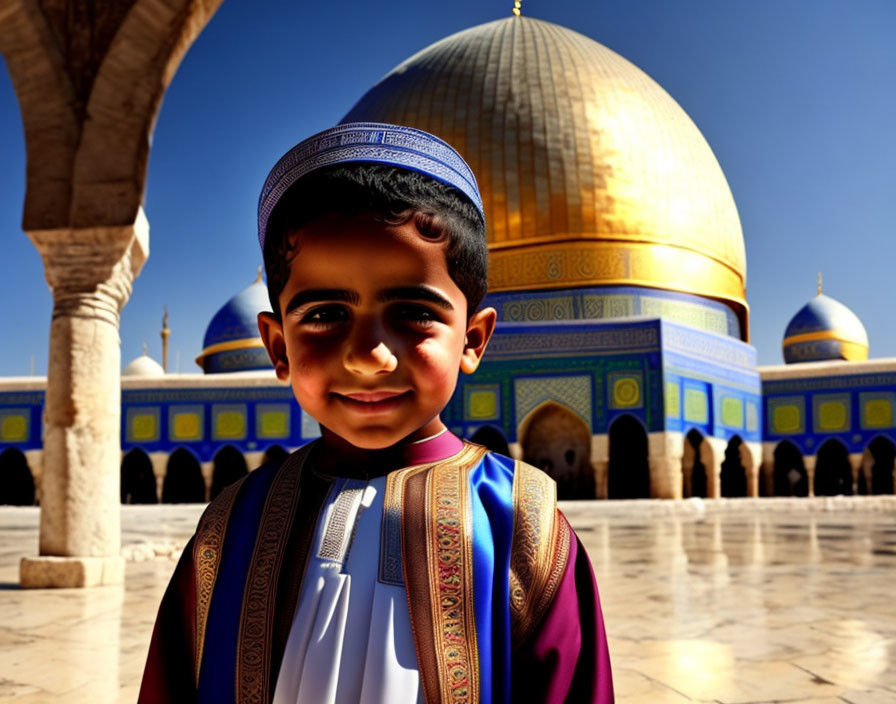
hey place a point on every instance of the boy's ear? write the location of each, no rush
(479, 332)
(271, 331)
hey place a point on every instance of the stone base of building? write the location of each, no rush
(72, 572)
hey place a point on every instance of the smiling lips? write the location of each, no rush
(373, 401)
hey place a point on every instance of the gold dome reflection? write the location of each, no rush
(590, 172)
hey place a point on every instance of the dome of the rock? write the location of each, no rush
(590, 173)
(143, 366)
(825, 329)
(232, 342)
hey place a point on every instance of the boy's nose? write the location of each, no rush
(371, 361)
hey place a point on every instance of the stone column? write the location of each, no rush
(856, 462)
(600, 463)
(767, 471)
(751, 459)
(664, 452)
(809, 464)
(712, 454)
(90, 271)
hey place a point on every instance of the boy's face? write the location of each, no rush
(373, 330)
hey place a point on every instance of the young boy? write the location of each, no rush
(388, 561)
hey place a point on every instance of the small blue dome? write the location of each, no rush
(825, 329)
(232, 342)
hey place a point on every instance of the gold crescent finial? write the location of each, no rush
(819, 283)
(517, 4)
(258, 278)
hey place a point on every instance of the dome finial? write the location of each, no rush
(258, 278)
(144, 350)
(166, 333)
(819, 283)
(517, 4)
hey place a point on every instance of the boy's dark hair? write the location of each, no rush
(394, 196)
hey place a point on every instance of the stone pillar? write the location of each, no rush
(712, 454)
(90, 271)
(767, 471)
(600, 463)
(751, 459)
(664, 452)
(159, 468)
(856, 464)
(809, 464)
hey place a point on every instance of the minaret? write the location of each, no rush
(166, 333)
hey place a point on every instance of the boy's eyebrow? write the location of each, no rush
(313, 295)
(414, 293)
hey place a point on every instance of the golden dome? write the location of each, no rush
(590, 173)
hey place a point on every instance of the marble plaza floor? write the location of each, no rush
(707, 601)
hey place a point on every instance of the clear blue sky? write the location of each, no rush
(797, 99)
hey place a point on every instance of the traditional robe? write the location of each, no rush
(499, 598)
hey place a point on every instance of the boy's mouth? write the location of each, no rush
(373, 401)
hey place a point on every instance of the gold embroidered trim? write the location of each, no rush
(207, 559)
(256, 620)
(450, 562)
(534, 568)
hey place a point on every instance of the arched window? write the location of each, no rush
(16, 481)
(791, 478)
(833, 474)
(629, 473)
(733, 474)
(492, 438)
(138, 482)
(230, 466)
(883, 454)
(557, 440)
(183, 479)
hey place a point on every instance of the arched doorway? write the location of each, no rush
(629, 473)
(558, 441)
(16, 481)
(883, 454)
(492, 438)
(693, 471)
(790, 478)
(275, 453)
(734, 474)
(230, 466)
(833, 474)
(138, 483)
(183, 479)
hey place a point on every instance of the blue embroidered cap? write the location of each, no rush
(394, 145)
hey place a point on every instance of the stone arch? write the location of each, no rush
(629, 470)
(138, 483)
(114, 67)
(734, 469)
(16, 480)
(693, 468)
(790, 475)
(881, 456)
(833, 472)
(183, 479)
(274, 453)
(557, 440)
(229, 466)
(492, 438)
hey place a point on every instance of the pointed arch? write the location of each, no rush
(183, 479)
(274, 453)
(693, 468)
(629, 471)
(790, 475)
(229, 466)
(833, 473)
(734, 471)
(16, 480)
(138, 482)
(557, 440)
(492, 438)
(882, 452)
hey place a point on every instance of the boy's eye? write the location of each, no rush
(324, 316)
(418, 315)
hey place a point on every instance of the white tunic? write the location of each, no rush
(351, 638)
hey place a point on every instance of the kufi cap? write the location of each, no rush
(373, 142)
